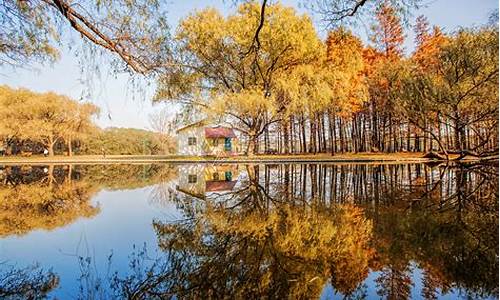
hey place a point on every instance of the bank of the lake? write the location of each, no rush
(405, 157)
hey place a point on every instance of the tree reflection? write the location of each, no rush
(26, 283)
(275, 234)
(453, 239)
(49, 197)
(42, 198)
(289, 230)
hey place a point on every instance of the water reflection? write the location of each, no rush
(294, 231)
(288, 229)
(200, 180)
(49, 197)
(41, 198)
(26, 283)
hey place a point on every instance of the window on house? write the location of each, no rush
(191, 141)
(192, 178)
(215, 176)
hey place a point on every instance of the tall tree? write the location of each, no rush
(388, 35)
(387, 38)
(462, 87)
(213, 62)
(427, 44)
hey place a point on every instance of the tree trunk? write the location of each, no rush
(312, 135)
(286, 140)
(304, 149)
(341, 136)
(70, 147)
(330, 127)
(252, 144)
(292, 135)
(50, 146)
(323, 134)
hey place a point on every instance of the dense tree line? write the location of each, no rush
(293, 93)
(127, 141)
(265, 71)
(32, 122)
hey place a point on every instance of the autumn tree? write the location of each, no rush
(344, 56)
(79, 123)
(333, 85)
(461, 89)
(427, 44)
(42, 117)
(387, 39)
(387, 32)
(216, 60)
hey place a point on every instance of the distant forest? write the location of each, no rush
(33, 122)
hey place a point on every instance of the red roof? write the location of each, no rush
(217, 132)
(215, 186)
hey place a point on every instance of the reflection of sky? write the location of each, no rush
(370, 287)
(125, 220)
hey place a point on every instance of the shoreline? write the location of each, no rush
(176, 159)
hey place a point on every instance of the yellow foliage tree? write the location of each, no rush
(218, 57)
(43, 117)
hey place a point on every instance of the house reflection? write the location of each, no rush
(202, 179)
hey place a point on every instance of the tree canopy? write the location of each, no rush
(32, 122)
(43, 117)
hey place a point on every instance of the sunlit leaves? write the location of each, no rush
(43, 117)
(220, 68)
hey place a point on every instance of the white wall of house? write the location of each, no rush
(183, 147)
(191, 179)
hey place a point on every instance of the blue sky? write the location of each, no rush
(121, 107)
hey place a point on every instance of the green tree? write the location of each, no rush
(124, 141)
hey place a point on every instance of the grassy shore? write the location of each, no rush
(346, 158)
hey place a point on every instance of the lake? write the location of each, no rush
(315, 231)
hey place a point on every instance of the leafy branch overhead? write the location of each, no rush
(136, 32)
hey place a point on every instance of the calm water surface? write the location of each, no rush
(292, 231)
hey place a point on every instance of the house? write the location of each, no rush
(201, 139)
(201, 180)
